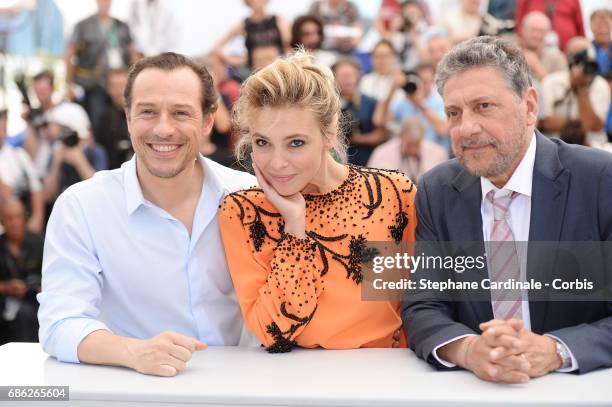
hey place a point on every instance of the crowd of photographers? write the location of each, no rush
(393, 116)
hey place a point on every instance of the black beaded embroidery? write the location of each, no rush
(321, 204)
(397, 230)
(282, 340)
(353, 260)
(281, 344)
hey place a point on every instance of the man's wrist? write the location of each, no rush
(79, 156)
(81, 162)
(467, 343)
(554, 359)
(35, 218)
(126, 353)
(456, 352)
(581, 90)
(420, 105)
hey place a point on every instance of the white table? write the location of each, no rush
(230, 376)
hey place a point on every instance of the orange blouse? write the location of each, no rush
(306, 292)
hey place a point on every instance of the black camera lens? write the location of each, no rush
(590, 68)
(587, 63)
(412, 83)
(410, 88)
(68, 137)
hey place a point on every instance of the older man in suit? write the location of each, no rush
(508, 183)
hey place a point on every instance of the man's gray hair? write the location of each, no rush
(482, 52)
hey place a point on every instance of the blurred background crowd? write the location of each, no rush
(64, 65)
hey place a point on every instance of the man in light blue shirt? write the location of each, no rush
(427, 104)
(134, 272)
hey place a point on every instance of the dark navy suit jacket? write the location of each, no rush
(571, 201)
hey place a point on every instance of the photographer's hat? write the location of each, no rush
(72, 116)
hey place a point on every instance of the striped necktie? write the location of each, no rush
(503, 258)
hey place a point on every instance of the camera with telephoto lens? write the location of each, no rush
(35, 116)
(584, 60)
(412, 83)
(68, 137)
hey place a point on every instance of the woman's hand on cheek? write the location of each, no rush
(292, 208)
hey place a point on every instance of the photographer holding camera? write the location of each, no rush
(601, 26)
(421, 101)
(361, 114)
(112, 132)
(21, 253)
(17, 172)
(576, 94)
(404, 28)
(36, 141)
(75, 156)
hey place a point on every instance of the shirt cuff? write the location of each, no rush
(64, 342)
(442, 361)
(574, 365)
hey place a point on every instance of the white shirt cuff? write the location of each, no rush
(442, 361)
(574, 365)
(64, 342)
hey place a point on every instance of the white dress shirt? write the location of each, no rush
(17, 169)
(519, 217)
(115, 261)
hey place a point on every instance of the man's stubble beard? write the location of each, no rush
(502, 161)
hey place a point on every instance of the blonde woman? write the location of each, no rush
(294, 246)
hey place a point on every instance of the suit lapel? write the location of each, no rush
(548, 204)
(464, 207)
(549, 192)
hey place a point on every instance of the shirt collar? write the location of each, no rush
(133, 192)
(213, 182)
(522, 178)
(213, 185)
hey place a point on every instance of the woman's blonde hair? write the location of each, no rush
(293, 81)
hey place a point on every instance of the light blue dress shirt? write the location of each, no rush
(404, 109)
(115, 261)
